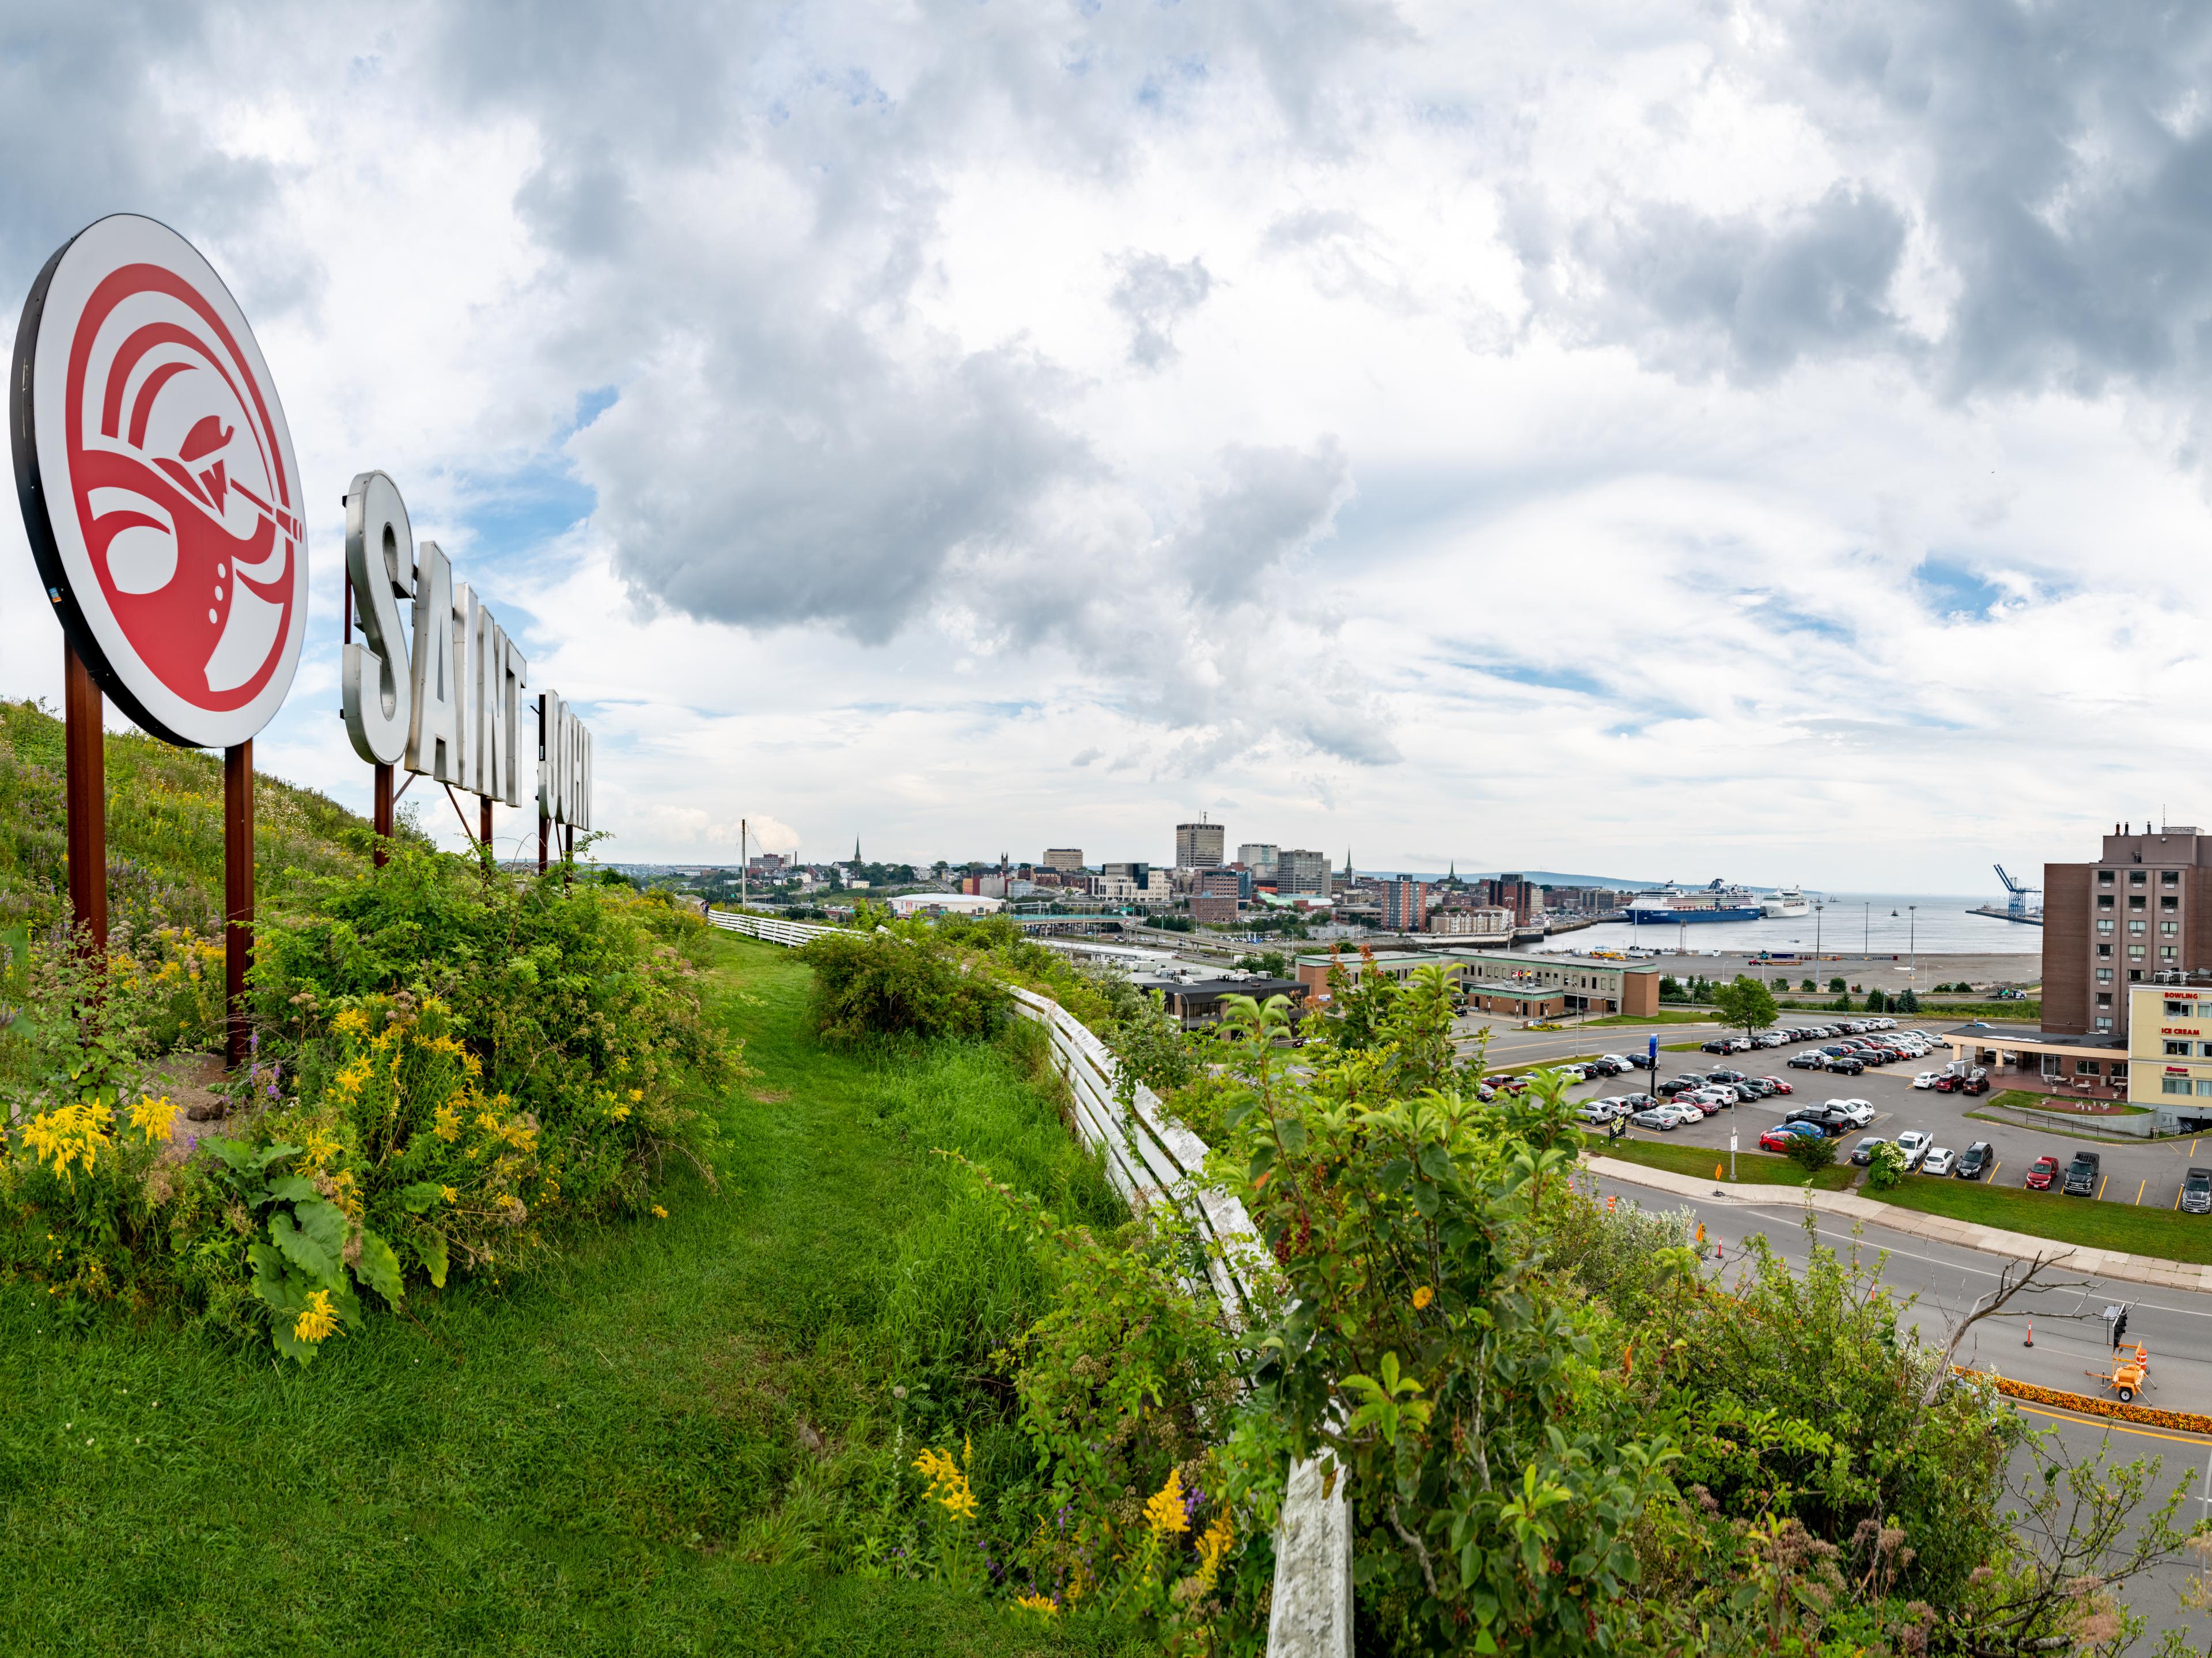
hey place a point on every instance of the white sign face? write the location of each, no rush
(160, 491)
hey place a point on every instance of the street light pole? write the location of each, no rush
(1912, 936)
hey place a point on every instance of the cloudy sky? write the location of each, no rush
(1655, 440)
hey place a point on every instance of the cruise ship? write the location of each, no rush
(1789, 900)
(1716, 902)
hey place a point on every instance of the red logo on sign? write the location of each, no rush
(173, 539)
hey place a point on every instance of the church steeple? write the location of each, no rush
(856, 849)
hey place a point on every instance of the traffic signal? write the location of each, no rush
(2120, 1328)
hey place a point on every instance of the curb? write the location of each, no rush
(2018, 1246)
(2188, 1422)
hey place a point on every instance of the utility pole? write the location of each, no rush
(1912, 945)
(742, 887)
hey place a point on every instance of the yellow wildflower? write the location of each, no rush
(1423, 1297)
(658, 1213)
(70, 1134)
(322, 1145)
(1212, 1548)
(154, 1117)
(1038, 1603)
(1163, 1511)
(446, 1123)
(618, 1114)
(636, 1095)
(449, 1194)
(351, 1023)
(948, 1483)
(318, 1321)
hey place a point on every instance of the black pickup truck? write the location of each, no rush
(2081, 1175)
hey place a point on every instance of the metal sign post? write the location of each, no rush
(161, 498)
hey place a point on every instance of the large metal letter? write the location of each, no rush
(468, 689)
(515, 674)
(434, 737)
(380, 554)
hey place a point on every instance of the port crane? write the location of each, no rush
(2015, 905)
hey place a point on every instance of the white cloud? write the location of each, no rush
(1635, 440)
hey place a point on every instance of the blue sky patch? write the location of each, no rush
(1952, 589)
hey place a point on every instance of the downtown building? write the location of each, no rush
(1199, 846)
(2142, 914)
(1405, 905)
(1302, 874)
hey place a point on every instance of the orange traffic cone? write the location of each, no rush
(2030, 1342)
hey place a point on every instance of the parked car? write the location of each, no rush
(1976, 1160)
(1769, 1039)
(1619, 1062)
(1683, 1114)
(1660, 1117)
(1940, 1161)
(1637, 1101)
(1595, 1112)
(1674, 1085)
(1858, 1113)
(1718, 1045)
(1977, 1084)
(1914, 1143)
(1862, 1153)
(1643, 1061)
(1725, 1076)
(2081, 1175)
(2041, 1173)
(1781, 1138)
(1820, 1117)
(1778, 1085)
(2197, 1192)
(1846, 1065)
(1928, 1079)
(1754, 1088)
(1810, 1059)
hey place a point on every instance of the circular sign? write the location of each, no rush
(158, 484)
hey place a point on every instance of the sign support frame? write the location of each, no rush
(238, 898)
(85, 768)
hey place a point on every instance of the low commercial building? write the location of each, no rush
(1472, 923)
(2042, 1062)
(1313, 970)
(1199, 1002)
(2170, 1053)
(1590, 986)
(1517, 1001)
(945, 903)
(1068, 860)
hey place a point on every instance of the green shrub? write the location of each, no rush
(887, 984)
(1886, 1167)
(1812, 1152)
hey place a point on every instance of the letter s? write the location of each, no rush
(379, 552)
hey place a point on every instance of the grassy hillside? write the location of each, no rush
(164, 829)
(681, 1441)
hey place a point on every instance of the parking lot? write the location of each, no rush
(2134, 1171)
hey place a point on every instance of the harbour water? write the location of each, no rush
(1856, 922)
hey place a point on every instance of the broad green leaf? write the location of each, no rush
(237, 1153)
(302, 1249)
(293, 1188)
(418, 1198)
(324, 1221)
(378, 1267)
(1292, 1133)
(270, 1153)
(430, 1249)
(290, 1346)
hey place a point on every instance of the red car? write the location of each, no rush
(1778, 1085)
(1778, 1139)
(2042, 1174)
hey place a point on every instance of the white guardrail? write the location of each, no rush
(1148, 1157)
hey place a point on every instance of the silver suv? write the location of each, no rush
(2197, 1192)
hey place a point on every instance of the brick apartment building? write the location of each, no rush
(1405, 905)
(1213, 897)
(1517, 893)
(2141, 913)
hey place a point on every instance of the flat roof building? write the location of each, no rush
(1590, 986)
(2141, 913)
(1197, 846)
(1300, 873)
(1068, 860)
(1258, 856)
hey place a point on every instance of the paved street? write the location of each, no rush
(2070, 1334)
(2147, 1171)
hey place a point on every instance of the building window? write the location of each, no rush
(2175, 1085)
(2180, 1010)
(2103, 999)
(2104, 901)
(2104, 950)
(2104, 1021)
(2104, 976)
(2169, 926)
(2088, 1068)
(2104, 925)
(2134, 975)
(2169, 903)
(2135, 952)
(2137, 926)
(2167, 952)
(2135, 902)
(2104, 877)
(2179, 1050)
(2206, 1048)
(2171, 878)
(2135, 878)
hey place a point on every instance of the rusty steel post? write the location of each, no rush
(85, 767)
(238, 896)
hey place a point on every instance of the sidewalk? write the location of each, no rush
(2105, 1263)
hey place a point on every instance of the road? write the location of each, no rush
(1942, 1281)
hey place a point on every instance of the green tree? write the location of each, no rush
(1745, 1002)
(1807, 984)
(1670, 988)
(1877, 1001)
(1813, 1152)
(1836, 987)
(1906, 1002)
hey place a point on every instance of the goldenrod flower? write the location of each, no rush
(1423, 1297)
(318, 1321)
(446, 1123)
(1213, 1547)
(658, 1213)
(449, 1194)
(948, 1483)
(1038, 1603)
(636, 1095)
(154, 1117)
(70, 1134)
(351, 1023)
(1163, 1511)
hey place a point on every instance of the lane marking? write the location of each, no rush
(2107, 1423)
(2139, 1188)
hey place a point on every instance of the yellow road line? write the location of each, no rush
(2102, 1184)
(2139, 1184)
(2107, 1423)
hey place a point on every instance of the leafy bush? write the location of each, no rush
(1886, 1167)
(885, 984)
(1812, 1152)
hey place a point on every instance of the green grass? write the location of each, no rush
(672, 1443)
(1752, 1168)
(164, 829)
(1665, 1015)
(2160, 1232)
(2021, 1099)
